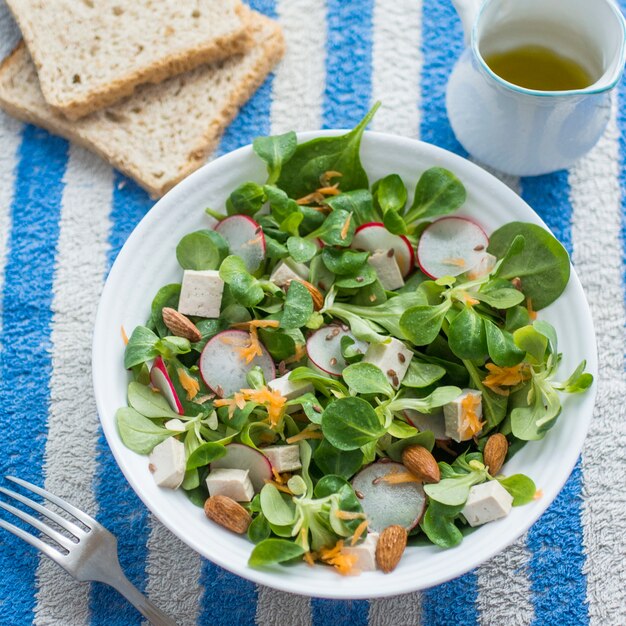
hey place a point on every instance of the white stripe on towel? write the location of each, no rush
(405, 610)
(596, 233)
(397, 65)
(300, 78)
(70, 453)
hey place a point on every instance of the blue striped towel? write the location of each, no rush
(64, 215)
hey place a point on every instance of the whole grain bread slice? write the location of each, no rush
(163, 132)
(91, 53)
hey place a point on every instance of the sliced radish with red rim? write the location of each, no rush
(222, 367)
(386, 503)
(160, 378)
(451, 246)
(324, 348)
(240, 456)
(245, 239)
(374, 236)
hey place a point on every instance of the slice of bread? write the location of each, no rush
(91, 53)
(163, 132)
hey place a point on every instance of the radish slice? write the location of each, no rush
(374, 236)
(222, 367)
(386, 504)
(324, 348)
(240, 456)
(425, 421)
(245, 239)
(160, 378)
(451, 246)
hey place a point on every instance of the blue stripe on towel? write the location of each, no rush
(229, 600)
(25, 360)
(121, 511)
(556, 540)
(346, 100)
(442, 36)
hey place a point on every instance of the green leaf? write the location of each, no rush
(454, 491)
(467, 337)
(439, 397)
(421, 324)
(244, 287)
(390, 194)
(438, 525)
(333, 231)
(291, 224)
(349, 423)
(517, 317)
(247, 199)
(259, 529)
(137, 432)
(148, 403)
(438, 192)
(141, 347)
(542, 265)
(279, 344)
(204, 454)
(275, 151)
(301, 174)
(501, 346)
(367, 378)
(521, 487)
(281, 206)
(420, 375)
(494, 405)
(531, 341)
(330, 460)
(167, 296)
(500, 298)
(401, 430)
(321, 382)
(358, 202)
(395, 223)
(208, 328)
(301, 250)
(344, 261)
(298, 306)
(361, 278)
(274, 551)
(277, 509)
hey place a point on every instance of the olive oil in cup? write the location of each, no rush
(539, 68)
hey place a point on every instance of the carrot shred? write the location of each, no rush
(273, 401)
(538, 494)
(331, 190)
(342, 562)
(349, 515)
(531, 312)
(189, 384)
(298, 356)
(397, 478)
(249, 350)
(326, 177)
(346, 227)
(499, 377)
(280, 478)
(471, 424)
(360, 529)
(307, 433)
(316, 197)
(256, 324)
(280, 487)
(308, 558)
(124, 335)
(457, 262)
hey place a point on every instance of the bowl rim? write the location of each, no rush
(276, 577)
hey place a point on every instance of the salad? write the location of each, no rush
(344, 369)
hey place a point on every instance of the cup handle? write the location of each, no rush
(468, 12)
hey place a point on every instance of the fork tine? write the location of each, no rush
(48, 550)
(62, 540)
(42, 510)
(90, 522)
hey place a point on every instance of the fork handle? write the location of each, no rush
(140, 601)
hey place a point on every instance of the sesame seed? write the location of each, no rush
(333, 361)
(479, 248)
(359, 494)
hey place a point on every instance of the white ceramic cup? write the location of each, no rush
(522, 131)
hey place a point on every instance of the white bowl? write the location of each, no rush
(147, 261)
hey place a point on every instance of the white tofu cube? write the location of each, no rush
(455, 415)
(386, 266)
(487, 502)
(201, 293)
(167, 463)
(233, 483)
(483, 267)
(392, 358)
(283, 458)
(365, 553)
(286, 271)
(178, 426)
(290, 389)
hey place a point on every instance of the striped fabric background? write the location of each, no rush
(64, 215)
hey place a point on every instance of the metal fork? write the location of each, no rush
(91, 556)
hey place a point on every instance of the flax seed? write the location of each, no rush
(401, 357)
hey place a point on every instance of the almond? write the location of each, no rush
(420, 462)
(227, 513)
(390, 547)
(495, 452)
(316, 295)
(180, 325)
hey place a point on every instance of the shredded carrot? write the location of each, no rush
(280, 487)
(342, 562)
(298, 356)
(360, 529)
(331, 190)
(346, 227)
(467, 298)
(256, 324)
(250, 349)
(281, 479)
(307, 433)
(499, 377)
(349, 515)
(471, 424)
(124, 335)
(457, 262)
(273, 401)
(531, 312)
(316, 197)
(397, 478)
(308, 559)
(326, 177)
(189, 384)
(538, 494)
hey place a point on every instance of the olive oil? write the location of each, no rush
(539, 68)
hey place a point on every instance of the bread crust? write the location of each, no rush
(104, 96)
